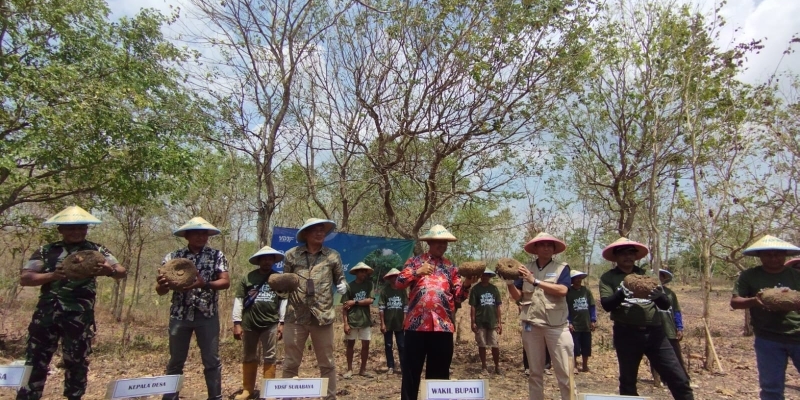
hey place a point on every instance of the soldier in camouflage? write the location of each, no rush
(65, 309)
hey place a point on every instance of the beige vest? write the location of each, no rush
(538, 307)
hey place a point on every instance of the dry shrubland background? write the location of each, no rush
(137, 345)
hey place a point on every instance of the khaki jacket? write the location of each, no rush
(325, 271)
(538, 307)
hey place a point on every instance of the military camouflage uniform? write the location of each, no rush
(65, 310)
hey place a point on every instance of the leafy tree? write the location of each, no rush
(618, 130)
(717, 116)
(382, 262)
(90, 107)
(442, 98)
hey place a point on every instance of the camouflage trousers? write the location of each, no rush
(75, 329)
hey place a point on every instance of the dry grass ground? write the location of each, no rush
(146, 354)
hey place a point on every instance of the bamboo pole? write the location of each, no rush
(711, 343)
(572, 388)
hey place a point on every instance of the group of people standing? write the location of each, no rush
(417, 309)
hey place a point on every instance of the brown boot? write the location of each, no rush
(268, 371)
(249, 372)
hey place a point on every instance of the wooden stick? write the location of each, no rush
(711, 343)
(572, 388)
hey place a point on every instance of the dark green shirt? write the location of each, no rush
(486, 300)
(668, 316)
(358, 316)
(578, 301)
(264, 311)
(393, 303)
(778, 326)
(632, 311)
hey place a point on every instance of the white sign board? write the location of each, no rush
(293, 388)
(455, 389)
(590, 396)
(14, 375)
(127, 388)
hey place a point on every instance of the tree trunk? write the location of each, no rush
(748, 329)
(114, 295)
(135, 299)
(705, 248)
(669, 219)
(265, 213)
(121, 285)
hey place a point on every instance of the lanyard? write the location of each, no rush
(308, 261)
(543, 266)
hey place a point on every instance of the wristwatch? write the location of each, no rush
(536, 282)
(113, 271)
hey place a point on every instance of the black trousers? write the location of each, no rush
(632, 342)
(677, 346)
(437, 348)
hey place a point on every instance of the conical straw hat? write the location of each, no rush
(392, 272)
(72, 215)
(197, 223)
(769, 242)
(438, 232)
(360, 266)
(641, 250)
(264, 251)
(329, 227)
(560, 246)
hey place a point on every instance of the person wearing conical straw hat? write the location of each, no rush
(777, 334)
(637, 330)
(256, 318)
(392, 308)
(541, 292)
(65, 310)
(309, 311)
(582, 318)
(434, 288)
(356, 302)
(195, 308)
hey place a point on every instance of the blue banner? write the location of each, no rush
(382, 254)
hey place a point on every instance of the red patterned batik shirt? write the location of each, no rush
(432, 298)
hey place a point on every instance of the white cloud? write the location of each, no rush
(773, 20)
